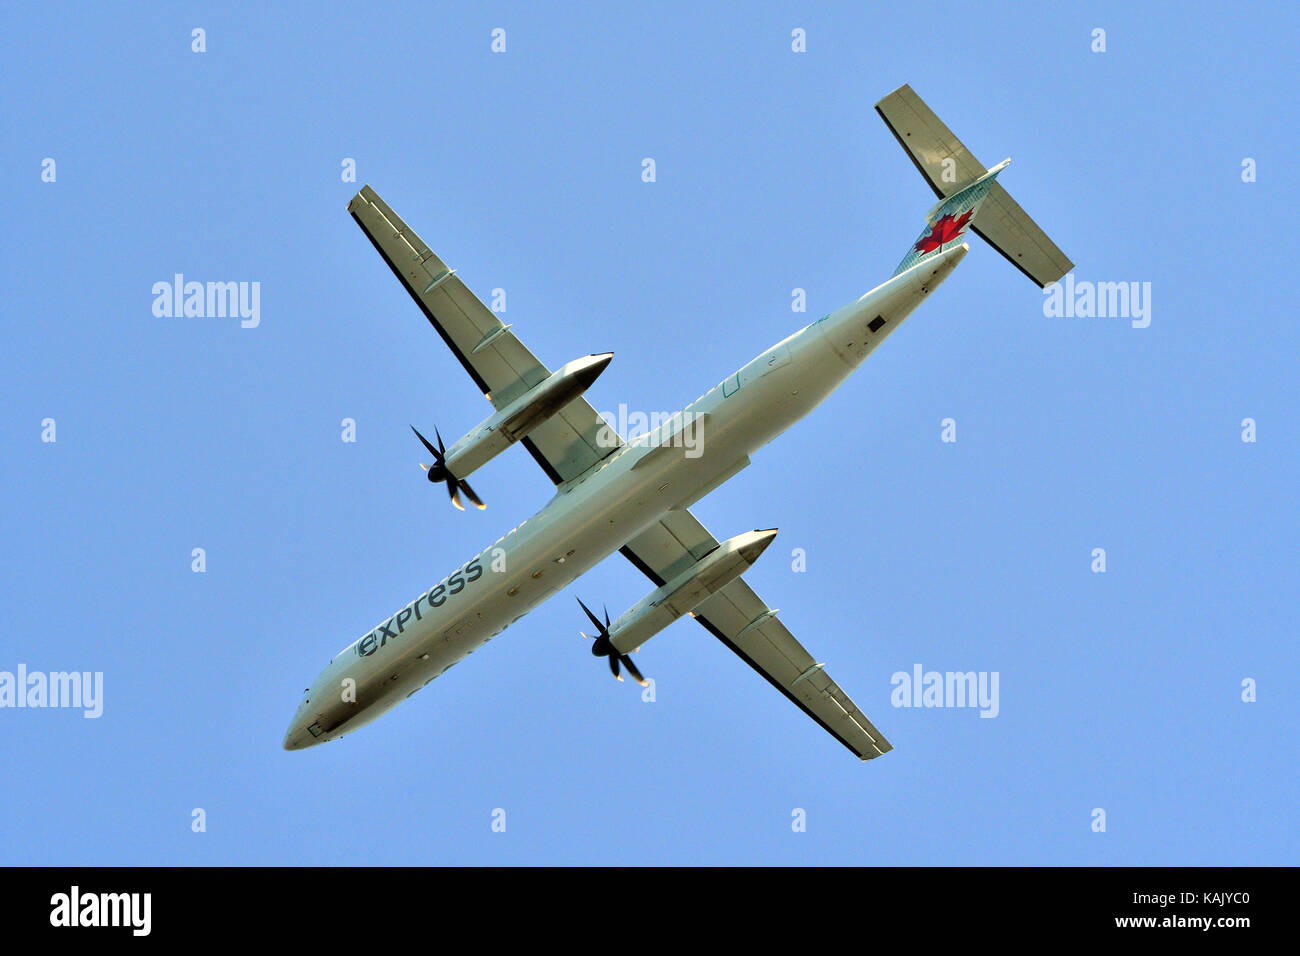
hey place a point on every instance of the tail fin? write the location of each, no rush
(953, 173)
(948, 221)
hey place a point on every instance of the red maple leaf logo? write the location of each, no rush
(945, 230)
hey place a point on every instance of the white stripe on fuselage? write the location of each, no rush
(596, 513)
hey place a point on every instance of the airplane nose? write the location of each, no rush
(297, 737)
(303, 732)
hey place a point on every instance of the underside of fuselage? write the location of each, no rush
(595, 514)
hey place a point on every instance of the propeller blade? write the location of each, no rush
(613, 666)
(594, 620)
(438, 471)
(631, 669)
(437, 455)
(469, 493)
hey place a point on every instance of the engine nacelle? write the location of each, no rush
(502, 429)
(688, 590)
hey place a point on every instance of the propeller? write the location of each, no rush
(604, 647)
(438, 472)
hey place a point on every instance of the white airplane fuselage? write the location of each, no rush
(598, 512)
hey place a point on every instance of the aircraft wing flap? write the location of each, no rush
(743, 622)
(499, 364)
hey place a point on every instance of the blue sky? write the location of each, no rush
(1119, 691)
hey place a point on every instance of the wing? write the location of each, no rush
(501, 366)
(739, 618)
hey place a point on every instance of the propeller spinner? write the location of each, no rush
(438, 472)
(604, 647)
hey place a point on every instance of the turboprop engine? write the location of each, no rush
(506, 426)
(665, 604)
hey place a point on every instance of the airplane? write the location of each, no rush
(633, 496)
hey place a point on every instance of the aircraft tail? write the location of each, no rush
(963, 186)
(949, 219)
